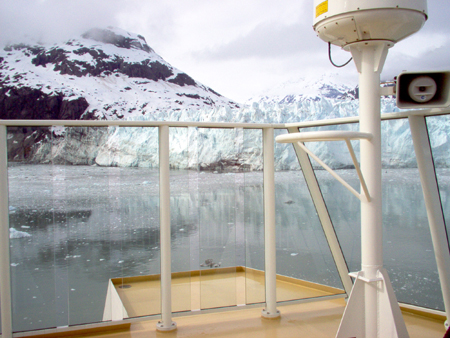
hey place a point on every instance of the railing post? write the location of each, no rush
(166, 323)
(5, 276)
(433, 205)
(269, 226)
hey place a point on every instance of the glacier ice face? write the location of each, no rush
(241, 149)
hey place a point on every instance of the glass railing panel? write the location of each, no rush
(407, 246)
(130, 160)
(343, 207)
(89, 220)
(438, 132)
(303, 254)
(32, 252)
(217, 217)
(253, 205)
(183, 224)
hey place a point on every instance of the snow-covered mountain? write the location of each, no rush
(104, 74)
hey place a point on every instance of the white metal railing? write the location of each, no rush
(439, 242)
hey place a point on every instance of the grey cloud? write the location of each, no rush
(269, 40)
(52, 20)
(437, 59)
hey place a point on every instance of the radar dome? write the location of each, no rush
(342, 22)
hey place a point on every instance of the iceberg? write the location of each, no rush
(13, 233)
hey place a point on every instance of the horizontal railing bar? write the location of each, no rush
(120, 123)
(225, 125)
(355, 119)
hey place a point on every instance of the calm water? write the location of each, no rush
(89, 224)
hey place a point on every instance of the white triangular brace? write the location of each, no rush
(389, 319)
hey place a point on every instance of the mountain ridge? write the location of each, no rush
(104, 74)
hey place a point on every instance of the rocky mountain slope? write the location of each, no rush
(104, 74)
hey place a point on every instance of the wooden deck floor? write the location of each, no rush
(313, 319)
(307, 320)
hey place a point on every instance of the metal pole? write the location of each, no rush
(5, 278)
(433, 204)
(269, 226)
(372, 309)
(166, 323)
(371, 213)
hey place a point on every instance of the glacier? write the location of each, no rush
(239, 149)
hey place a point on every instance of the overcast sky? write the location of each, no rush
(240, 48)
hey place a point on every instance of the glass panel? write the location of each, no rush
(438, 133)
(407, 247)
(343, 207)
(77, 226)
(132, 217)
(32, 220)
(412, 268)
(303, 255)
(217, 217)
(182, 225)
(252, 155)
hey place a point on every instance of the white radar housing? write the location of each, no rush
(342, 22)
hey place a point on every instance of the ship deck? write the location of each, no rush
(309, 320)
(317, 314)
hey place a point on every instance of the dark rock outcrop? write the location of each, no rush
(106, 65)
(32, 104)
(183, 79)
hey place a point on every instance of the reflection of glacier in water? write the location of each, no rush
(90, 224)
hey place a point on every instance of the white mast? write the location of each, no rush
(368, 29)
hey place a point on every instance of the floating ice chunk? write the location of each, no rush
(13, 233)
(294, 254)
(14, 264)
(25, 226)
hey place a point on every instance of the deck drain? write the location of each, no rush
(125, 286)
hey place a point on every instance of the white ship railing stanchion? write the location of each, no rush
(270, 310)
(5, 275)
(166, 323)
(433, 204)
